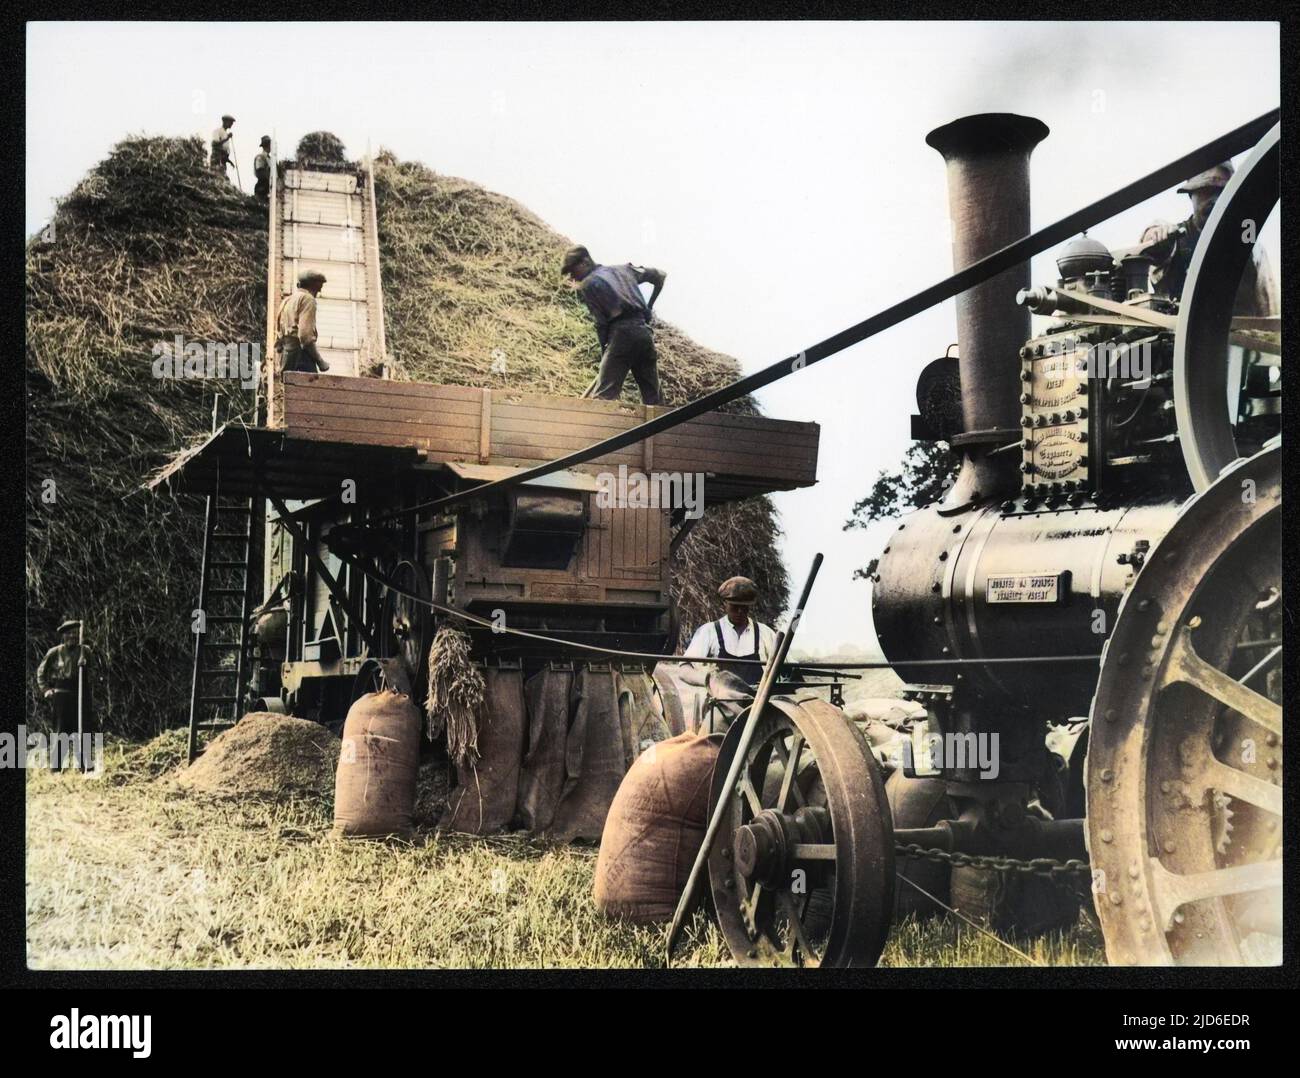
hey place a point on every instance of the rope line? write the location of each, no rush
(650, 656)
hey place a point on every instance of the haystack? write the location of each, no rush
(320, 148)
(152, 244)
(265, 754)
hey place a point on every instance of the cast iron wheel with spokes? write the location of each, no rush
(802, 872)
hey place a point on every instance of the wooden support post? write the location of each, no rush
(336, 590)
(485, 428)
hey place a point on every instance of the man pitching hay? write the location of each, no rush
(622, 314)
(223, 139)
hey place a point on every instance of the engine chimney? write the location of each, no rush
(988, 200)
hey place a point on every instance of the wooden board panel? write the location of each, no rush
(528, 429)
(369, 407)
(382, 385)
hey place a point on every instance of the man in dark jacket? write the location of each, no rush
(622, 315)
(57, 678)
(262, 170)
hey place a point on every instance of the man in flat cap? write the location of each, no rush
(736, 635)
(64, 679)
(622, 314)
(262, 170)
(296, 326)
(296, 336)
(1171, 247)
(222, 141)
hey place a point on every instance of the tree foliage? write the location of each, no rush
(926, 472)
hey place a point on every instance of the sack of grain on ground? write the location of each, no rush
(655, 828)
(374, 789)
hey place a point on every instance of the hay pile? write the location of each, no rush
(266, 754)
(473, 296)
(149, 245)
(320, 148)
(152, 244)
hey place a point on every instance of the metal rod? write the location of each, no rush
(1249, 676)
(1225, 146)
(750, 721)
(81, 686)
(209, 520)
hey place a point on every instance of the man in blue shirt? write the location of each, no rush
(622, 315)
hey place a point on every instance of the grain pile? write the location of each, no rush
(265, 754)
(152, 244)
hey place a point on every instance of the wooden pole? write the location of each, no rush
(750, 721)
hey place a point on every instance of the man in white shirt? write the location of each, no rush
(735, 635)
(222, 140)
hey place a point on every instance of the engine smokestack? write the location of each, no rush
(988, 199)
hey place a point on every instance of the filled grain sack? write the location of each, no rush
(374, 786)
(654, 829)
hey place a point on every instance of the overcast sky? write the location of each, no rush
(778, 172)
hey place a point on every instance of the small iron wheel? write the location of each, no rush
(802, 871)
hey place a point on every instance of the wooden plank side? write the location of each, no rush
(336, 409)
(750, 444)
(361, 392)
(383, 385)
(380, 434)
(525, 456)
(587, 417)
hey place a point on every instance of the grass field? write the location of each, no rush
(127, 871)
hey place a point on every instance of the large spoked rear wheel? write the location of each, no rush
(1185, 756)
(802, 872)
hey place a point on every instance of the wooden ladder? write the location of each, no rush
(222, 651)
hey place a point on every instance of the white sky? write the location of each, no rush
(777, 171)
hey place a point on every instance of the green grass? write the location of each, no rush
(128, 872)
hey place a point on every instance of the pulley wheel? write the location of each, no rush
(1207, 431)
(405, 628)
(802, 870)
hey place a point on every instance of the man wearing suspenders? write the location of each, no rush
(735, 635)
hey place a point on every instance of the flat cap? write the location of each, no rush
(69, 624)
(307, 277)
(226, 117)
(1218, 176)
(738, 589)
(572, 257)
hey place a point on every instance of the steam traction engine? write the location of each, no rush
(1110, 549)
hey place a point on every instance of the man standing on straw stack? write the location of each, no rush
(262, 170)
(222, 140)
(622, 314)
